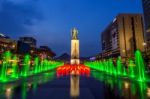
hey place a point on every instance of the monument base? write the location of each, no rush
(75, 61)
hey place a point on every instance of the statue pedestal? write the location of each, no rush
(75, 52)
(75, 61)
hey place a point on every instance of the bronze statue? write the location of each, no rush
(74, 33)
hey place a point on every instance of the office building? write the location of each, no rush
(123, 36)
(29, 40)
(146, 10)
(7, 44)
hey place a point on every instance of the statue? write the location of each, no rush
(74, 34)
(74, 47)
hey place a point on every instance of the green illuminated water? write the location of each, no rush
(135, 69)
(126, 88)
(13, 68)
(36, 65)
(140, 66)
(131, 68)
(119, 66)
(5, 64)
(26, 65)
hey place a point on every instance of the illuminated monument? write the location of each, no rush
(74, 47)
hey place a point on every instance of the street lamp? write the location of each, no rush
(145, 44)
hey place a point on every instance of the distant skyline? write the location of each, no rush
(51, 21)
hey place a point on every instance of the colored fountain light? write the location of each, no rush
(36, 65)
(5, 64)
(140, 66)
(134, 70)
(12, 68)
(74, 68)
(119, 66)
(124, 86)
(131, 68)
(26, 65)
(68, 69)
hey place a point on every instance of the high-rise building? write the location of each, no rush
(146, 8)
(123, 36)
(26, 45)
(23, 48)
(7, 43)
(28, 40)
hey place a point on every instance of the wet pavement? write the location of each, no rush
(95, 86)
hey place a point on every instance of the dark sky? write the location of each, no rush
(50, 21)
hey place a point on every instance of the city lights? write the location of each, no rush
(74, 49)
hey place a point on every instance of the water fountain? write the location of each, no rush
(106, 64)
(41, 65)
(26, 65)
(36, 65)
(133, 70)
(119, 66)
(5, 64)
(45, 64)
(14, 67)
(112, 69)
(140, 66)
(124, 71)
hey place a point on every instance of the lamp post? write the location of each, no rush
(145, 47)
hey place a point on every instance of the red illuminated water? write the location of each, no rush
(68, 69)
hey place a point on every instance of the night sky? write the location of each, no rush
(50, 21)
